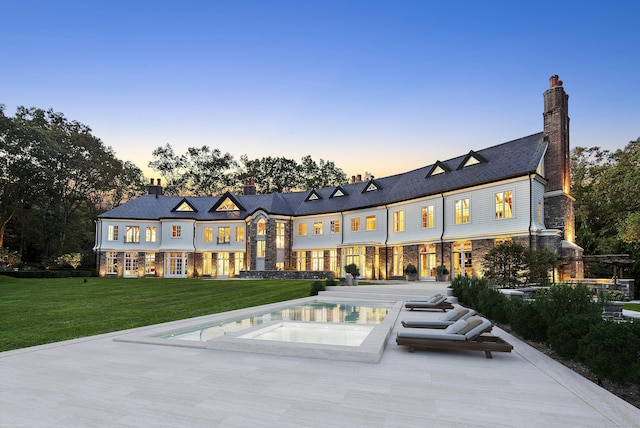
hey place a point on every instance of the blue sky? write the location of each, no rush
(375, 86)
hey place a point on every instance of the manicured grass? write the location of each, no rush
(632, 306)
(38, 311)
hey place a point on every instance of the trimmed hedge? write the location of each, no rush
(49, 273)
(566, 318)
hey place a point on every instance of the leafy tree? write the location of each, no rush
(273, 175)
(200, 171)
(541, 262)
(506, 264)
(73, 259)
(322, 174)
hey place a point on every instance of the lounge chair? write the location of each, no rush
(458, 313)
(463, 334)
(437, 302)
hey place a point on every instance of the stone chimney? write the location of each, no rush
(153, 189)
(249, 186)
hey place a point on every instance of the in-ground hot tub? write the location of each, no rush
(333, 328)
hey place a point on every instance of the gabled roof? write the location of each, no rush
(227, 202)
(471, 159)
(184, 206)
(508, 160)
(438, 168)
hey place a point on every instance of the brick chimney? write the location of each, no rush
(249, 186)
(153, 189)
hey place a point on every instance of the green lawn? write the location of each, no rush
(632, 306)
(37, 311)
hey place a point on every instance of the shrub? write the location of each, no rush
(527, 321)
(352, 269)
(316, 287)
(610, 350)
(564, 299)
(410, 269)
(330, 281)
(564, 335)
(541, 262)
(506, 264)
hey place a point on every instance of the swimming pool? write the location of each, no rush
(335, 328)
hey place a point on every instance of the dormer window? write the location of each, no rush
(227, 205)
(338, 192)
(372, 186)
(184, 206)
(313, 196)
(437, 169)
(472, 158)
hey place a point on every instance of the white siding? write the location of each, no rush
(364, 236)
(214, 246)
(311, 241)
(120, 244)
(184, 242)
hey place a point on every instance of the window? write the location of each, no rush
(504, 205)
(150, 263)
(462, 258)
(539, 212)
(112, 261)
(355, 224)
(333, 262)
(239, 233)
(301, 260)
(427, 217)
(208, 234)
(150, 234)
(262, 227)
(317, 228)
(113, 233)
(302, 229)
(132, 234)
(335, 226)
(280, 234)
(130, 264)
(462, 211)
(238, 261)
(370, 222)
(184, 207)
(398, 221)
(224, 235)
(175, 264)
(207, 263)
(317, 260)
(398, 261)
(261, 249)
(227, 205)
(499, 241)
(176, 231)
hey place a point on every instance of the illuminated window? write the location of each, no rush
(370, 223)
(261, 249)
(112, 262)
(504, 205)
(113, 233)
(317, 228)
(335, 226)
(437, 170)
(462, 211)
(317, 260)
(427, 217)
(398, 261)
(130, 264)
(150, 234)
(176, 231)
(184, 207)
(302, 229)
(150, 263)
(224, 235)
(132, 234)
(208, 234)
(238, 261)
(239, 233)
(499, 241)
(398, 221)
(280, 234)
(301, 260)
(333, 261)
(355, 224)
(262, 227)
(227, 205)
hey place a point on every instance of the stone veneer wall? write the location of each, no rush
(285, 274)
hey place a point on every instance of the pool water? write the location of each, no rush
(322, 334)
(351, 313)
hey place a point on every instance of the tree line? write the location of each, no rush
(56, 177)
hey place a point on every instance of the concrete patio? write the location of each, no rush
(97, 381)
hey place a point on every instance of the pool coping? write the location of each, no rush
(369, 351)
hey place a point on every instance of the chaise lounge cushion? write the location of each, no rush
(425, 333)
(455, 314)
(457, 327)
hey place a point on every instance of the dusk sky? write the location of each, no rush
(375, 86)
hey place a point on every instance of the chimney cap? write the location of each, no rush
(554, 81)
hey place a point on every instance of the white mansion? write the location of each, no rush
(451, 213)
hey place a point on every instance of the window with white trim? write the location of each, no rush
(317, 228)
(150, 234)
(239, 233)
(208, 234)
(370, 222)
(132, 234)
(427, 217)
(398, 221)
(112, 234)
(280, 233)
(176, 231)
(461, 207)
(317, 260)
(335, 226)
(355, 224)
(504, 205)
(302, 229)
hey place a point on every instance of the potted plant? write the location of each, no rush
(411, 272)
(352, 274)
(442, 273)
